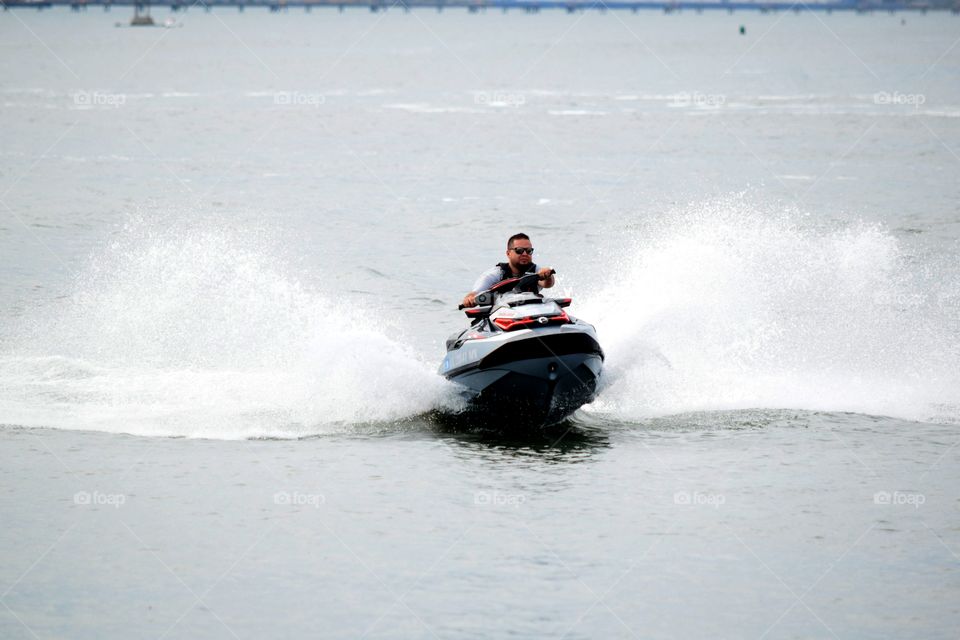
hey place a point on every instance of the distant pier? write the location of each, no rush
(527, 6)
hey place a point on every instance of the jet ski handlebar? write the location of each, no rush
(505, 285)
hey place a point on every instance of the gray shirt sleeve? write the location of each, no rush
(486, 280)
(489, 278)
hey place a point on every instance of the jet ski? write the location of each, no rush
(523, 362)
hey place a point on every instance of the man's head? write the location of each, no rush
(519, 251)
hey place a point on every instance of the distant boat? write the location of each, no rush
(142, 18)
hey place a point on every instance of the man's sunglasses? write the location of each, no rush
(522, 250)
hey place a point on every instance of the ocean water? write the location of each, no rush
(230, 254)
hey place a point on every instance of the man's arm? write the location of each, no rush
(548, 279)
(486, 280)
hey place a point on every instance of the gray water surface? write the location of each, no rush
(230, 254)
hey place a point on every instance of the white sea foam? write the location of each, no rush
(722, 306)
(576, 112)
(426, 108)
(195, 331)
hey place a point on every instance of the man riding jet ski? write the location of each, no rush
(523, 362)
(519, 262)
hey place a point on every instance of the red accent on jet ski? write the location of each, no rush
(509, 324)
(504, 284)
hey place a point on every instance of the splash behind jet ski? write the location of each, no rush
(524, 362)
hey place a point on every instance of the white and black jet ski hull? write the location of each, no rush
(526, 379)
